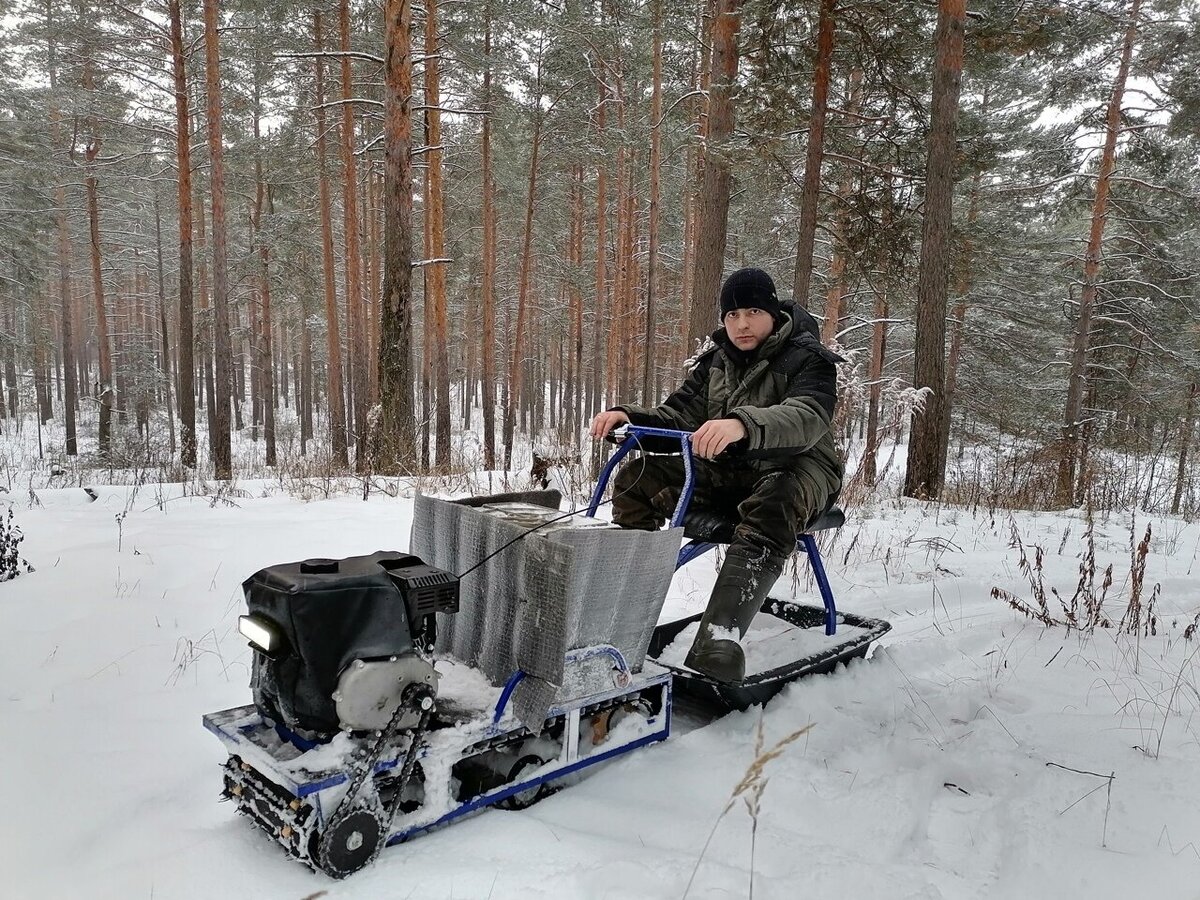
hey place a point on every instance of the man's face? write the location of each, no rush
(748, 328)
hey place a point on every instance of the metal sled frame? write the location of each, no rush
(256, 750)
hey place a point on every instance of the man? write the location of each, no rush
(760, 403)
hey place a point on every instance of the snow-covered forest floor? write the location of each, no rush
(977, 754)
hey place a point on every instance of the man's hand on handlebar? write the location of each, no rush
(606, 422)
(715, 435)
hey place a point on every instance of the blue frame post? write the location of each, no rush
(572, 657)
(814, 559)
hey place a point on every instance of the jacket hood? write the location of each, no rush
(802, 319)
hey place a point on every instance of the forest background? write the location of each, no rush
(431, 240)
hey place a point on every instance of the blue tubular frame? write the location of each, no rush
(573, 656)
(694, 548)
(633, 435)
(809, 544)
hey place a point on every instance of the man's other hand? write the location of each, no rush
(606, 422)
(715, 435)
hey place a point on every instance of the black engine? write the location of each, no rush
(338, 640)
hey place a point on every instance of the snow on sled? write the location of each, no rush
(787, 640)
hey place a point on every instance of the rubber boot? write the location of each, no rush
(742, 586)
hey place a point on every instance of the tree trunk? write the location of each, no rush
(10, 362)
(40, 321)
(238, 363)
(366, 213)
(701, 71)
(466, 396)
(1187, 430)
(435, 267)
(268, 356)
(617, 384)
(397, 437)
(220, 442)
(204, 340)
(879, 332)
(287, 372)
(252, 330)
(355, 320)
(183, 154)
(1081, 343)
(810, 192)
(487, 288)
(928, 438)
(518, 349)
(265, 358)
(373, 284)
(623, 350)
(715, 189)
(118, 335)
(104, 388)
(575, 300)
(306, 381)
(599, 367)
(651, 326)
(162, 322)
(333, 341)
(67, 302)
(67, 326)
(139, 398)
(425, 405)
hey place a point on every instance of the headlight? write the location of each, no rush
(263, 636)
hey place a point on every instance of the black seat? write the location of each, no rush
(832, 518)
(706, 525)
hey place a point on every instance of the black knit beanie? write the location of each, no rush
(749, 288)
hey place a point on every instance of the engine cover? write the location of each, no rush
(348, 617)
(370, 690)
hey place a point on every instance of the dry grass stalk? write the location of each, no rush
(1087, 598)
(1033, 572)
(1132, 619)
(1189, 633)
(751, 788)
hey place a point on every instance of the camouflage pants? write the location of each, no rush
(770, 508)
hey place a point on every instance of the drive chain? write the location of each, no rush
(417, 699)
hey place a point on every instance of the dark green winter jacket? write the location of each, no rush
(784, 392)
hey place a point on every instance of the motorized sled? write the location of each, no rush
(514, 646)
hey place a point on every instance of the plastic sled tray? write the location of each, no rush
(762, 686)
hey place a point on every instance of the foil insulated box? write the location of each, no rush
(570, 584)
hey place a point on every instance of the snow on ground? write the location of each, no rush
(970, 757)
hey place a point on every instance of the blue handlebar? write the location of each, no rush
(632, 438)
